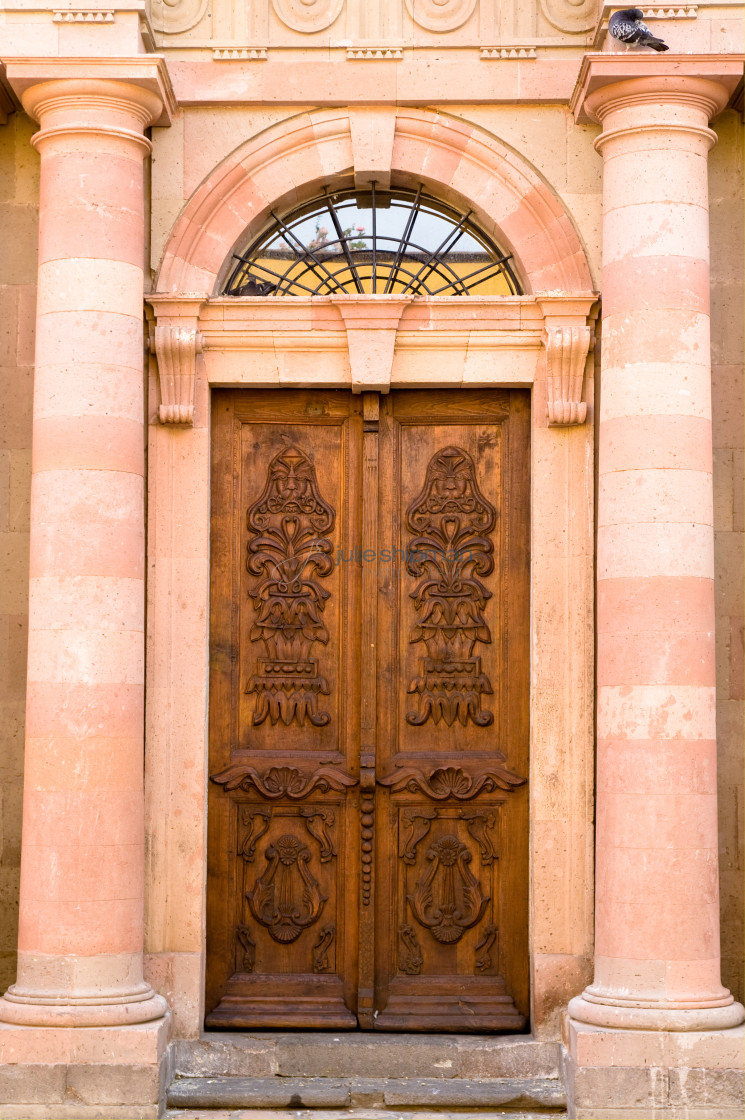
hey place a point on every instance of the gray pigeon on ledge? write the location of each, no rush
(628, 27)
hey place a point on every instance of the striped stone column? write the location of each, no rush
(82, 867)
(657, 901)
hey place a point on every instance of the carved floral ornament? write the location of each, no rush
(175, 340)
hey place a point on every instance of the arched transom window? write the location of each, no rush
(398, 242)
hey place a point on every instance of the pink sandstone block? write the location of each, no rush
(655, 229)
(84, 285)
(84, 927)
(657, 658)
(87, 762)
(639, 338)
(635, 442)
(58, 873)
(86, 602)
(642, 550)
(679, 820)
(107, 550)
(88, 442)
(655, 494)
(674, 711)
(97, 657)
(132, 1045)
(633, 606)
(654, 284)
(654, 767)
(682, 929)
(86, 388)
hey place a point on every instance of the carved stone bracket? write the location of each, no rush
(566, 352)
(175, 339)
(568, 338)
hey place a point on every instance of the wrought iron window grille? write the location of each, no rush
(397, 242)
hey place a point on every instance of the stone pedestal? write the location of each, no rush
(82, 869)
(657, 904)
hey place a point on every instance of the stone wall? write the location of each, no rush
(19, 192)
(726, 194)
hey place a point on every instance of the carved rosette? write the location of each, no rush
(307, 15)
(440, 15)
(289, 550)
(566, 353)
(570, 15)
(449, 550)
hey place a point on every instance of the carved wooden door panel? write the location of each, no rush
(368, 711)
(452, 729)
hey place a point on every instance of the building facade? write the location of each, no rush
(374, 663)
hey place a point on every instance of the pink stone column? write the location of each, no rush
(82, 869)
(657, 903)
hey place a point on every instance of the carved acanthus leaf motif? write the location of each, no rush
(247, 949)
(307, 15)
(257, 821)
(286, 898)
(320, 824)
(418, 821)
(449, 550)
(440, 15)
(480, 825)
(290, 551)
(283, 781)
(410, 957)
(321, 957)
(447, 899)
(452, 781)
(486, 943)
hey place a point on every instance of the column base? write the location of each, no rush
(51, 1073)
(25, 1010)
(652, 1074)
(627, 1017)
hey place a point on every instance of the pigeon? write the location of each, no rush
(628, 27)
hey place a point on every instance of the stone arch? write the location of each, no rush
(458, 161)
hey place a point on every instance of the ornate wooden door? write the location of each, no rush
(368, 811)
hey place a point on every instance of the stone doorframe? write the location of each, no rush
(541, 340)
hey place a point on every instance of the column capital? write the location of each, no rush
(48, 85)
(608, 81)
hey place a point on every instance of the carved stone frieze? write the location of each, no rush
(566, 353)
(448, 899)
(290, 552)
(449, 550)
(452, 781)
(440, 15)
(84, 15)
(286, 898)
(307, 15)
(283, 781)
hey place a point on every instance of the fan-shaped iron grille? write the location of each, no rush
(398, 242)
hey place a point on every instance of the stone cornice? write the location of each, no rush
(655, 71)
(149, 72)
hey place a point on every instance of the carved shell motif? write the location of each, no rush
(307, 15)
(440, 15)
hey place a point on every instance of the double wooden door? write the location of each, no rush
(368, 806)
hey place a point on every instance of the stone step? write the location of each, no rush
(510, 1095)
(357, 1114)
(365, 1055)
